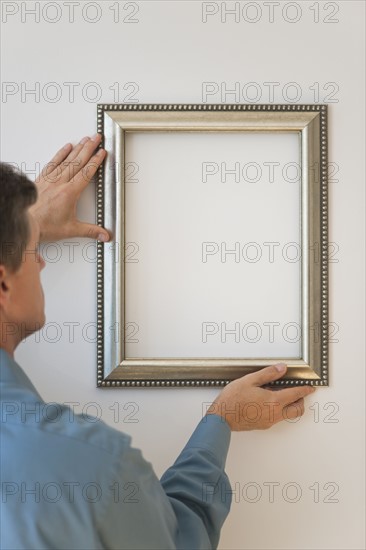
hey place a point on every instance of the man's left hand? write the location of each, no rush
(60, 185)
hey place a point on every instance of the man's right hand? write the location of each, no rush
(245, 405)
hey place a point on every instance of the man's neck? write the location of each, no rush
(9, 349)
(8, 337)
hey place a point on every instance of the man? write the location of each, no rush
(71, 484)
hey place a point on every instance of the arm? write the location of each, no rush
(184, 510)
(198, 487)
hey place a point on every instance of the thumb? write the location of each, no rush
(92, 232)
(266, 375)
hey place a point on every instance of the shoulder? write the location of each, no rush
(53, 424)
(84, 429)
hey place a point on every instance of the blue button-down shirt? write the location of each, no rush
(68, 483)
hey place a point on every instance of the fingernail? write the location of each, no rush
(84, 140)
(281, 367)
(102, 237)
(95, 137)
(67, 146)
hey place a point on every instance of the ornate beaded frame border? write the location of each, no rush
(113, 369)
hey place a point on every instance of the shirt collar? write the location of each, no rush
(12, 373)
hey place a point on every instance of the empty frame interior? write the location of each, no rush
(212, 234)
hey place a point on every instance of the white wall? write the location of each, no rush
(169, 53)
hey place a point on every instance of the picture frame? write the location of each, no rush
(115, 122)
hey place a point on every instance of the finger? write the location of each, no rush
(82, 155)
(72, 164)
(81, 180)
(294, 410)
(77, 148)
(290, 395)
(91, 231)
(51, 167)
(266, 375)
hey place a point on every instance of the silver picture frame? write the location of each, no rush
(114, 369)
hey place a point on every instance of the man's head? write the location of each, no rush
(21, 294)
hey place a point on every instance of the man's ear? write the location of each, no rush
(4, 285)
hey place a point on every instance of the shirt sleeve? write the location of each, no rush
(198, 487)
(185, 509)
